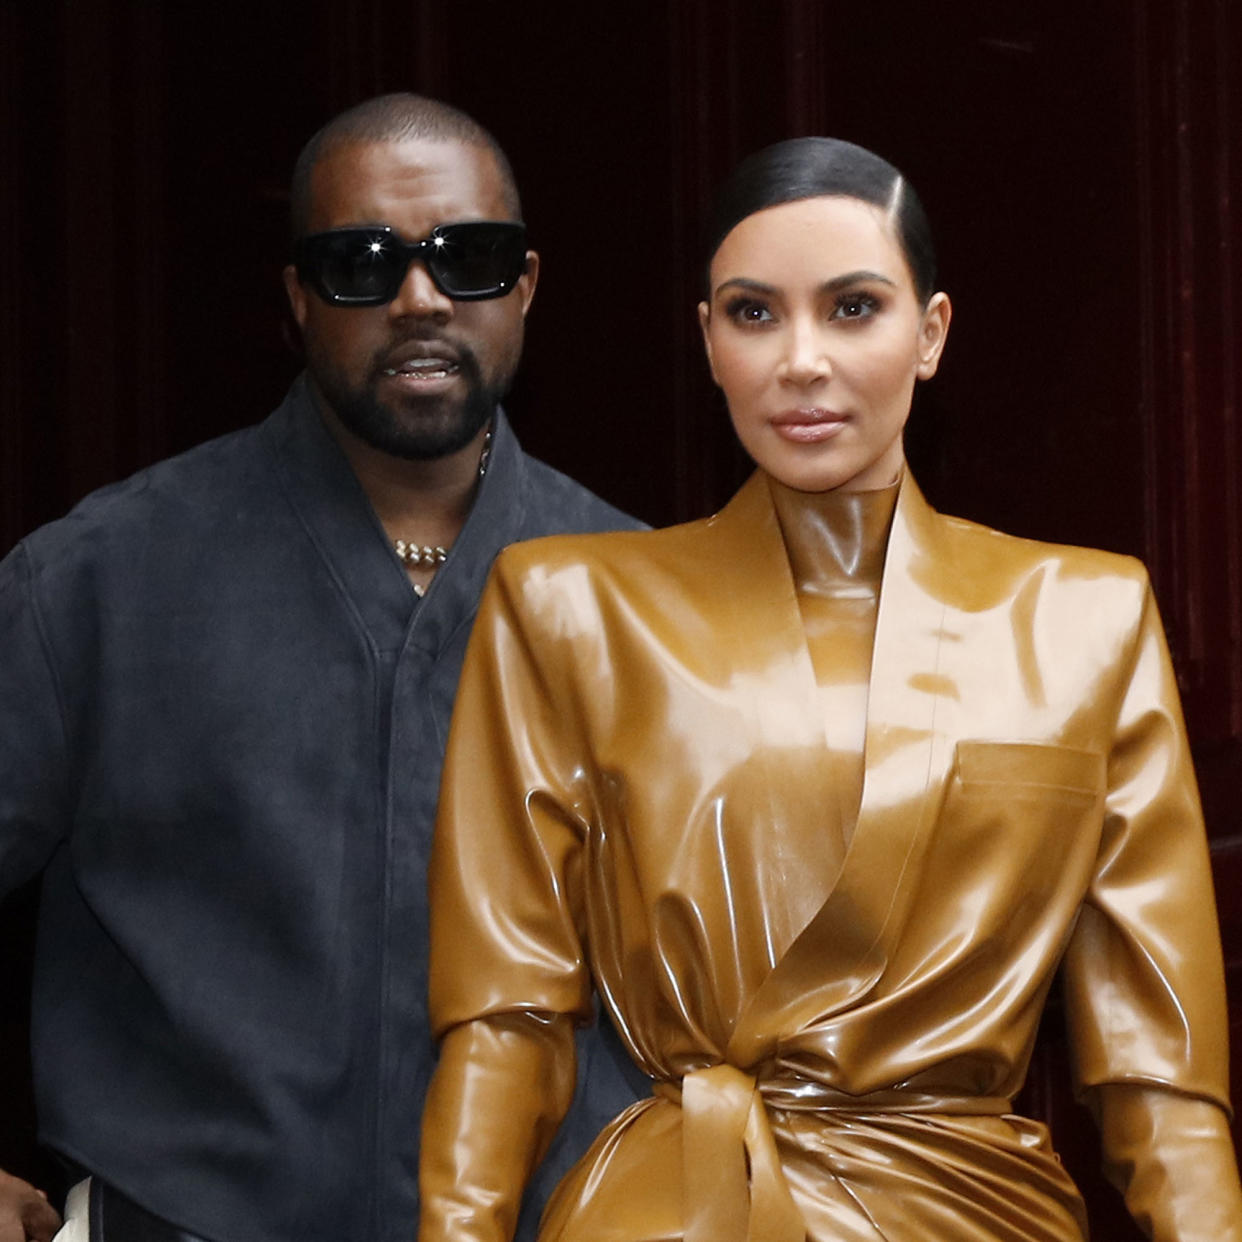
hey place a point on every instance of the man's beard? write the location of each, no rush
(435, 426)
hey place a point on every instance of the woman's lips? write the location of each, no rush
(808, 426)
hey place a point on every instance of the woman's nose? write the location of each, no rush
(418, 297)
(806, 354)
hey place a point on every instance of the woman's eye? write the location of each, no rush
(747, 311)
(855, 306)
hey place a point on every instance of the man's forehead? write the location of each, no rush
(409, 183)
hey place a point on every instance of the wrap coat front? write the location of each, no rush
(834, 1030)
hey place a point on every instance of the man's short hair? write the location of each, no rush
(390, 118)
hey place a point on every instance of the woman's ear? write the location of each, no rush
(705, 320)
(933, 331)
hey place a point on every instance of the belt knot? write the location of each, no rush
(735, 1188)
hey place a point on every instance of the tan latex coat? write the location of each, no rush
(834, 1021)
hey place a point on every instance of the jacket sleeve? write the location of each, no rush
(508, 975)
(35, 779)
(1144, 979)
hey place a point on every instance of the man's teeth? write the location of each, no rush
(425, 368)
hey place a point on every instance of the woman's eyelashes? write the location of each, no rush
(846, 305)
(857, 304)
(748, 310)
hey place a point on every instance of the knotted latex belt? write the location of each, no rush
(735, 1187)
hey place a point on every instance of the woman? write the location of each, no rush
(820, 793)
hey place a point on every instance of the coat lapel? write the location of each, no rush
(760, 661)
(843, 950)
(746, 571)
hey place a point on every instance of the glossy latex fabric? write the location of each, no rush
(642, 793)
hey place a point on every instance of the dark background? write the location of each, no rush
(1081, 164)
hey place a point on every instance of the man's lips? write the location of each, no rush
(422, 361)
(423, 369)
(809, 426)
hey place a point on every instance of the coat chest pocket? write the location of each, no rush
(1029, 770)
(1025, 817)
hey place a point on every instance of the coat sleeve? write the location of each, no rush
(1144, 979)
(508, 975)
(35, 780)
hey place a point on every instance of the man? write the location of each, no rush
(224, 691)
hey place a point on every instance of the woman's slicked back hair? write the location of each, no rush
(828, 167)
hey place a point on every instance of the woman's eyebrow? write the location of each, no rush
(861, 276)
(743, 282)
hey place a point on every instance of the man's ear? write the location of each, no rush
(705, 319)
(528, 280)
(933, 332)
(296, 293)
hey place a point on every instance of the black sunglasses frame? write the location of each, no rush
(312, 254)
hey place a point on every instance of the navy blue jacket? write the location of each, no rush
(222, 720)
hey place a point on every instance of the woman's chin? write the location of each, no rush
(843, 462)
(832, 476)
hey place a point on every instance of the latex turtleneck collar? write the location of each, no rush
(836, 540)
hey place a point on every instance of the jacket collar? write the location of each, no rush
(497, 518)
(350, 540)
(908, 752)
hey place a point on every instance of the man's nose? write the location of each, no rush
(418, 297)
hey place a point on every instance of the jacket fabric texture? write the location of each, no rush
(833, 1050)
(224, 713)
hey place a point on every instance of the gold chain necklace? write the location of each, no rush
(421, 555)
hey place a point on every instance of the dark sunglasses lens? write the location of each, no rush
(476, 261)
(361, 268)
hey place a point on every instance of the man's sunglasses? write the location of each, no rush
(365, 266)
